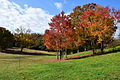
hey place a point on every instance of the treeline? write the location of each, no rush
(21, 38)
(90, 26)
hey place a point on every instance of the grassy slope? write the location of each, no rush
(103, 67)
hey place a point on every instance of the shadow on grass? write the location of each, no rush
(90, 55)
(26, 53)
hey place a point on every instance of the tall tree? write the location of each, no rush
(61, 34)
(101, 28)
(82, 34)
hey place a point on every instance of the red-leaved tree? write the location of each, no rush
(60, 36)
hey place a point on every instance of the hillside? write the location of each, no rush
(36, 67)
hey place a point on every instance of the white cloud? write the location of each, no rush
(58, 5)
(117, 31)
(13, 16)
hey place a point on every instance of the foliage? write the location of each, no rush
(91, 26)
(6, 38)
(80, 33)
(23, 38)
(78, 11)
(61, 33)
(83, 27)
(38, 41)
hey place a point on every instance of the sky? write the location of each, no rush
(36, 14)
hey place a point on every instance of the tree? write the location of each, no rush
(23, 38)
(6, 38)
(60, 36)
(82, 34)
(101, 28)
(91, 26)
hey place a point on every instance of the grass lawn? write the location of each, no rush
(35, 67)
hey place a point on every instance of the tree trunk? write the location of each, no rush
(93, 51)
(60, 54)
(93, 46)
(21, 49)
(102, 47)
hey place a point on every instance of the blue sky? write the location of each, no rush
(67, 5)
(36, 14)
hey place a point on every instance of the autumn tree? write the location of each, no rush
(6, 38)
(91, 27)
(101, 28)
(78, 11)
(23, 38)
(82, 34)
(60, 36)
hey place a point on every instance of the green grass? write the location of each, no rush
(81, 53)
(103, 67)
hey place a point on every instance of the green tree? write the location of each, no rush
(6, 38)
(23, 38)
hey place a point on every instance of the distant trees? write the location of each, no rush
(38, 41)
(90, 24)
(6, 38)
(23, 38)
(113, 43)
(20, 38)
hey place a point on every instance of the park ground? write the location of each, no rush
(41, 65)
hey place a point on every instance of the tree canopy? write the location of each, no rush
(6, 38)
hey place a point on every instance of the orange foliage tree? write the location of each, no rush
(101, 28)
(60, 36)
(94, 24)
(82, 34)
